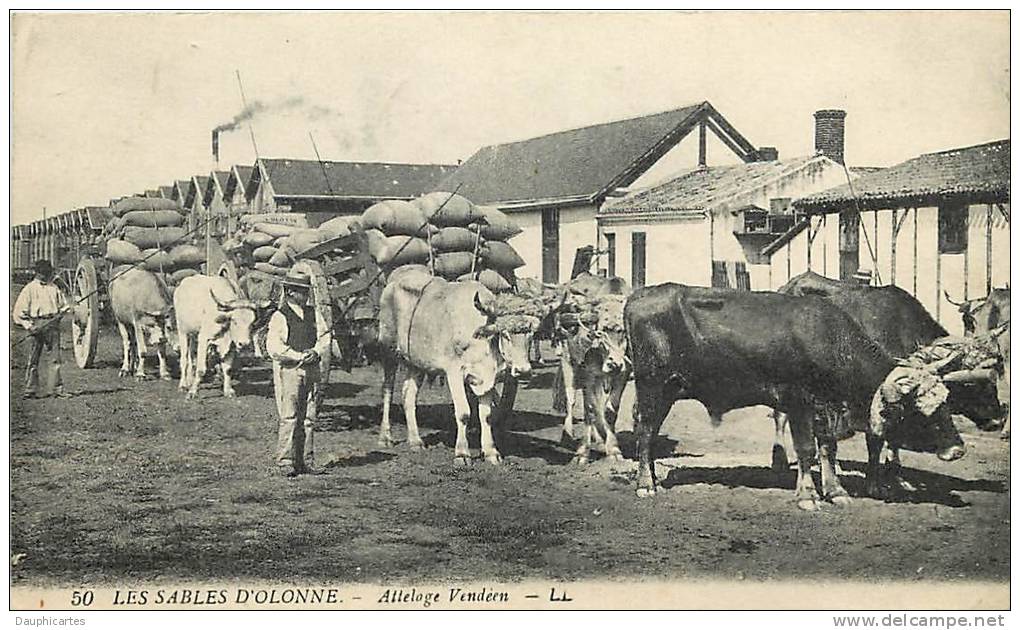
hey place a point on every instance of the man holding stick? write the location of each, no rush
(38, 310)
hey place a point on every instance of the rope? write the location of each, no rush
(59, 316)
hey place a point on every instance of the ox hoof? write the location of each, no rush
(230, 394)
(903, 485)
(416, 447)
(495, 459)
(644, 493)
(809, 505)
(165, 377)
(841, 500)
(141, 378)
(581, 460)
(385, 441)
(1004, 435)
(191, 395)
(615, 457)
(124, 373)
(462, 460)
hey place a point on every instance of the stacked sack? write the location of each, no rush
(151, 232)
(455, 238)
(274, 247)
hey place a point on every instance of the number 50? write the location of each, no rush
(82, 598)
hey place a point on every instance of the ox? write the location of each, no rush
(430, 327)
(802, 356)
(990, 315)
(141, 306)
(210, 313)
(897, 322)
(593, 358)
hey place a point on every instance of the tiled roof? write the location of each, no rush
(978, 173)
(704, 188)
(576, 163)
(311, 178)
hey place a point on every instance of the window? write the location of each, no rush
(849, 244)
(611, 254)
(637, 257)
(952, 228)
(780, 205)
(551, 245)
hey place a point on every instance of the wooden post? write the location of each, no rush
(825, 247)
(915, 253)
(702, 153)
(966, 255)
(988, 252)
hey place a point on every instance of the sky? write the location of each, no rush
(107, 105)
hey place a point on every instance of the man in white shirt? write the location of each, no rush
(290, 342)
(38, 309)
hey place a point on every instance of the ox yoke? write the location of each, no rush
(732, 349)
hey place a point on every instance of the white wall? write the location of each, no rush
(676, 250)
(528, 244)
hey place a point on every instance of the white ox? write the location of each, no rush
(141, 306)
(210, 313)
(431, 326)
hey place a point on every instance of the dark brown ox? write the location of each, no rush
(432, 327)
(900, 324)
(592, 344)
(990, 316)
(803, 356)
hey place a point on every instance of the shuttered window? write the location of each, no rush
(551, 245)
(952, 228)
(611, 254)
(637, 259)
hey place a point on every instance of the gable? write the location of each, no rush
(584, 163)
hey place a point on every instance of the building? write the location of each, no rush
(707, 226)
(214, 200)
(935, 224)
(235, 195)
(62, 239)
(194, 203)
(553, 185)
(324, 189)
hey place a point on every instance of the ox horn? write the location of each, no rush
(962, 304)
(223, 306)
(941, 364)
(969, 376)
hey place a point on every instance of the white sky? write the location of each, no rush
(107, 105)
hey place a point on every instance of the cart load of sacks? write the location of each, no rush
(445, 233)
(151, 233)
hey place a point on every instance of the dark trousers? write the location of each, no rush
(45, 342)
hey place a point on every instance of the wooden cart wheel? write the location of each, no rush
(85, 313)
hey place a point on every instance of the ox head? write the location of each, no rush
(235, 318)
(154, 326)
(510, 336)
(984, 315)
(610, 337)
(909, 410)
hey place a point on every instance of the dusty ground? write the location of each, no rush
(131, 481)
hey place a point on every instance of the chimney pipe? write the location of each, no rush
(829, 131)
(216, 146)
(768, 154)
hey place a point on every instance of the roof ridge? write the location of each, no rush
(312, 161)
(973, 146)
(594, 125)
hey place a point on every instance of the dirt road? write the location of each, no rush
(130, 481)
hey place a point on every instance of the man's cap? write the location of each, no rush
(43, 267)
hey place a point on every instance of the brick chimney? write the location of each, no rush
(768, 154)
(829, 128)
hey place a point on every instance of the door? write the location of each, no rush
(551, 245)
(637, 260)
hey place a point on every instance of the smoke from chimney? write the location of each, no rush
(829, 133)
(216, 146)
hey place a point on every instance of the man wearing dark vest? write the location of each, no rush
(291, 342)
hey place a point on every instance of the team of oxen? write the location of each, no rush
(831, 358)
